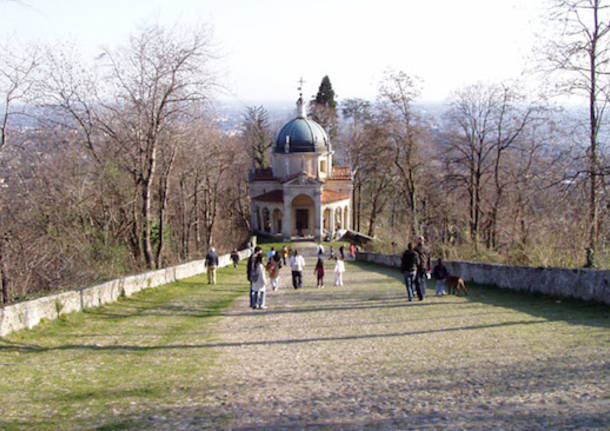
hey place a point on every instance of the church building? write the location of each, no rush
(302, 194)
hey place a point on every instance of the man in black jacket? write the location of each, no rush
(422, 268)
(249, 269)
(408, 267)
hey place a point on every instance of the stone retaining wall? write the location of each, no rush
(587, 284)
(27, 314)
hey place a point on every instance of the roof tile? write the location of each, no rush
(272, 196)
(329, 196)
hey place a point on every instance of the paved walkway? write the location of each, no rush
(362, 357)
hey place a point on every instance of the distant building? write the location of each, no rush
(302, 194)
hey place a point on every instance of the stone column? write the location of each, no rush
(287, 216)
(348, 218)
(253, 221)
(317, 215)
(333, 222)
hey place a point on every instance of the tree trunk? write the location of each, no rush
(493, 240)
(146, 208)
(184, 228)
(4, 280)
(593, 210)
(477, 204)
(413, 207)
(197, 213)
(134, 233)
(354, 224)
(163, 187)
(359, 209)
(372, 219)
(471, 194)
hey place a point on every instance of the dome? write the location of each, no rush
(302, 136)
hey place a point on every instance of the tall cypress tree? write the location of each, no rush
(323, 108)
(326, 94)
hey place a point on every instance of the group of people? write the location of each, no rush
(319, 270)
(352, 251)
(260, 274)
(415, 267)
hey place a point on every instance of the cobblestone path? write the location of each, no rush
(363, 357)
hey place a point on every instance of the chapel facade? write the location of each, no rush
(302, 194)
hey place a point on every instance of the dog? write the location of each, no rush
(456, 284)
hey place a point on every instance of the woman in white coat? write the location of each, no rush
(259, 281)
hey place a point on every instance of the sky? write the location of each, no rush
(266, 46)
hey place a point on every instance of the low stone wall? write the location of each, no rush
(586, 284)
(27, 314)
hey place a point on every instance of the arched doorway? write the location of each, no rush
(266, 220)
(259, 223)
(302, 211)
(338, 219)
(326, 220)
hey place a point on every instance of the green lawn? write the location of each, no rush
(96, 369)
(152, 358)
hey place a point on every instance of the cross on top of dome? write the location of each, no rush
(300, 102)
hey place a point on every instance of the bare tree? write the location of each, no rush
(256, 132)
(377, 178)
(147, 87)
(486, 120)
(203, 167)
(358, 113)
(168, 165)
(580, 56)
(397, 91)
(18, 65)
(471, 144)
(513, 118)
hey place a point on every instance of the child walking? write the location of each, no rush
(339, 270)
(273, 267)
(319, 271)
(440, 274)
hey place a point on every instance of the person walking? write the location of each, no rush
(297, 263)
(277, 258)
(408, 267)
(250, 271)
(273, 267)
(319, 272)
(440, 274)
(270, 254)
(284, 253)
(259, 282)
(339, 270)
(342, 251)
(423, 267)
(352, 250)
(235, 258)
(211, 263)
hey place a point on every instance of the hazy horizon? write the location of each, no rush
(265, 47)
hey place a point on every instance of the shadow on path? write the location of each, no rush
(13, 347)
